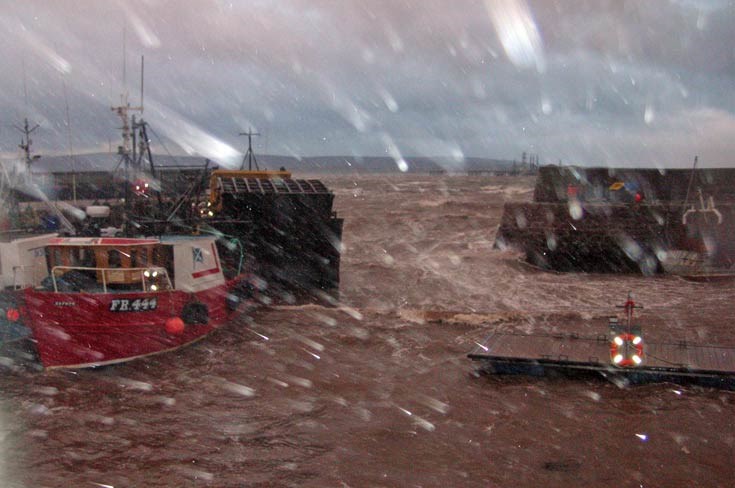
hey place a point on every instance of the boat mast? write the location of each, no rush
(250, 155)
(25, 144)
(25, 141)
(29, 157)
(691, 180)
(25, 177)
(127, 149)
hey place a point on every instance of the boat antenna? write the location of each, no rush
(71, 148)
(691, 180)
(250, 155)
(144, 141)
(142, 70)
(127, 149)
(124, 96)
(25, 86)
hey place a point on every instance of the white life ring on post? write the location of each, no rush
(626, 350)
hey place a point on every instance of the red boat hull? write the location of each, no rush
(92, 329)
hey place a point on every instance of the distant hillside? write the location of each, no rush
(372, 164)
(320, 164)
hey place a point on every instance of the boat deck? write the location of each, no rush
(539, 355)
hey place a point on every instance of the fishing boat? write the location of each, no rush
(107, 292)
(709, 257)
(110, 300)
(622, 220)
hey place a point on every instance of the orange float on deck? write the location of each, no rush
(13, 314)
(174, 325)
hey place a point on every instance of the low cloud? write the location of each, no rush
(594, 82)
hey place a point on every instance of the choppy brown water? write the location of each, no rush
(379, 392)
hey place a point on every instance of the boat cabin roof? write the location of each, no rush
(101, 241)
(21, 236)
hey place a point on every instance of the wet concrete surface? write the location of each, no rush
(378, 390)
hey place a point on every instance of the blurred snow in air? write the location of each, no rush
(191, 138)
(394, 152)
(649, 115)
(388, 99)
(546, 106)
(243, 390)
(135, 384)
(517, 32)
(146, 35)
(38, 46)
(434, 404)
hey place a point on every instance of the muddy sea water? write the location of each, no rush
(378, 391)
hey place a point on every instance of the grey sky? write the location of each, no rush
(593, 82)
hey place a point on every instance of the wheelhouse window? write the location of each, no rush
(87, 258)
(141, 260)
(114, 258)
(53, 256)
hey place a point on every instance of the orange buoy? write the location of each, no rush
(174, 325)
(13, 314)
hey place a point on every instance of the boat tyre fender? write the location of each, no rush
(195, 313)
(241, 292)
(245, 290)
(232, 301)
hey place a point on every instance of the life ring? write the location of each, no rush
(626, 350)
(195, 313)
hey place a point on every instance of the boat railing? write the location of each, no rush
(150, 279)
(705, 209)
